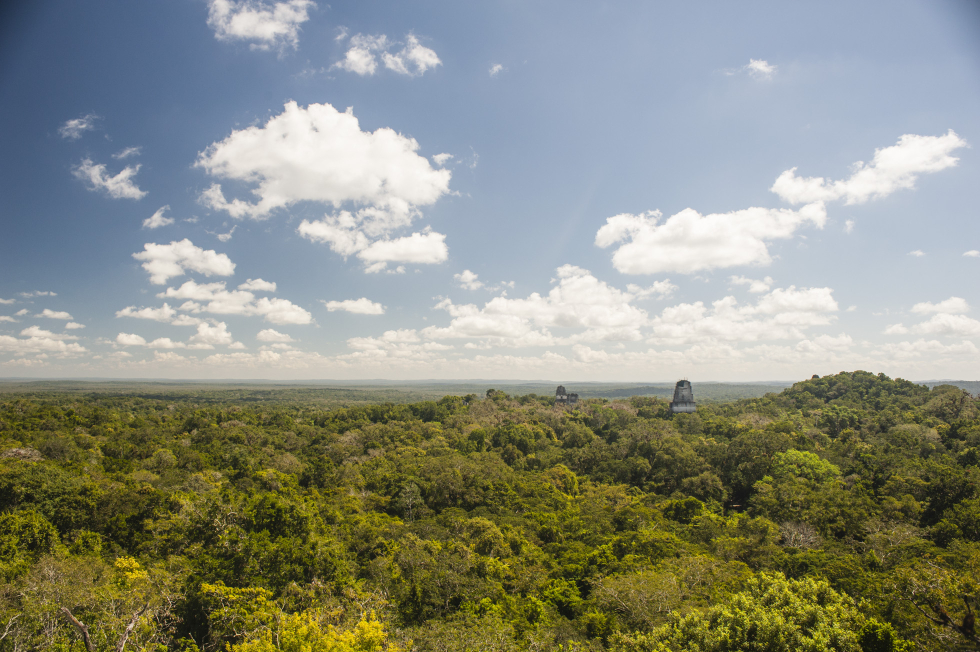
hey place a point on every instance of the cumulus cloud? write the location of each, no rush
(7, 302)
(361, 58)
(579, 302)
(756, 286)
(921, 347)
(362, 306)
(319, 154)
(175, 259)
(272, 335)
(37, 340)
(973, 253)
(157, 220)
(760, 68)
(413, 59)
(783, 313)
(215, 299)
(427, 247)
(7, 318)
(209, 334)
(689, 242)
(660, 289)
(120, 186)
(164, 314)
(849, 226)
(37, 293)
(496, 69)
(442, 159)
(74, 325)
(52, 314)
(258, 285)
(952, 306)
(265, 25)
(892, 168)
(403, 345)
(73, 129)
(918, 253)
(949, 324)
(467, 279)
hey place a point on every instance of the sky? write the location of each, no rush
(604, 191)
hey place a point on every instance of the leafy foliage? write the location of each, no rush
(842, 513)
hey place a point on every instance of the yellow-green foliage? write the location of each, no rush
(304, 632)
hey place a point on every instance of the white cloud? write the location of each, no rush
(921, 347)
(130, 339)
(120, 186)
(258, 285)
(760, 68)
(780, 314)
(362, 306)
(442, 159)
(579, 301)
(212, 334)
(403, 345)
(225, 237)
(468, 280)
(7, 318)
(892, 168)
(214, 298)
(73, 129)
(896, 329)
(496, 69)
(755, 286)
(973, 253)
(21, 312)
(918, 253)
(7, 302)
(74, 325)
(689, 242)
(849, 226)
(51, 314)
(413, 59)
(949, 324)
(209, 335)
(36, 293)
(169, 260)
(164, 314)
(427, 247)
(660, 289)
(38, 340)
(127, 152)
(319, 154)
(362, 56)
(271, 335)
(265, 25)
(157, 220)
(952, 306)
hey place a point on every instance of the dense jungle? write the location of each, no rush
(842, 513)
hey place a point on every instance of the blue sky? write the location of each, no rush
(547, 190)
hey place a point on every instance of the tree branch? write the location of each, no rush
(129, 628)
(82, 629)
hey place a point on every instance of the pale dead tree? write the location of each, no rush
(120, 642)
(799, 535)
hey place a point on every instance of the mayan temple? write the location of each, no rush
(683, 398)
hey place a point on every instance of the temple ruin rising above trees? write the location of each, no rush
(683, 398)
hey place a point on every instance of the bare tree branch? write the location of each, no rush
(82, 629)
(129, 628)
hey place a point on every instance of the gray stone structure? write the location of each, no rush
(564, 398)
(683, 398)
